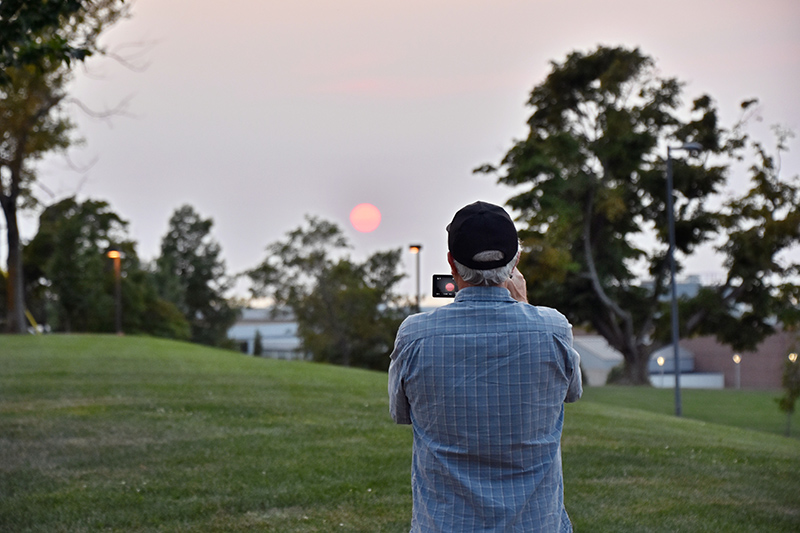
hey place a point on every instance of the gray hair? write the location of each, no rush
(492, 277)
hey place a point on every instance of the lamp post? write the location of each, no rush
(115, 255)
(416, 249)
(660, 362)
(692, 148)
(738, 359)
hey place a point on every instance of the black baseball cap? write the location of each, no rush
(482, 227)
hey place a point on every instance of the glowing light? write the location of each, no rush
(365, 218)
(793, 357)
(737, 358)
(660, 361)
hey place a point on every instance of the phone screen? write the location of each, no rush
(444, 286)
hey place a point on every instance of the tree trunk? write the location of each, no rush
(636, 357)
(636, 370)
(15, 287)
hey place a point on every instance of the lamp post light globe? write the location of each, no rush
(694, 149)
(115, 255)
(737, 359)
(416, 249)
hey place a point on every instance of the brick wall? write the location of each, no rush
(760, 369)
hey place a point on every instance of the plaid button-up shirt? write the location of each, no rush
(483, 381)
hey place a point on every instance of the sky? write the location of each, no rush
(260, 112)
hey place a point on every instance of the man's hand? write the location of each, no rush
(517, 286)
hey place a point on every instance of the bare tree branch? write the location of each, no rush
(119, 110)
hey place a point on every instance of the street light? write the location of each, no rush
(693, 149)
(660, 362)
(738, 359)
(416, 249)
(114, 253)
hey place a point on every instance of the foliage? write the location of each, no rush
(69, 249)
(590, 189)
(137, 434)
(190, 274)
(616, 375)
(37, 39)
(70, 279)
(32, 33)
(347, 312)
(31, 126)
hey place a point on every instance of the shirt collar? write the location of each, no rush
(483, 293)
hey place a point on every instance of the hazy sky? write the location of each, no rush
(259, 112)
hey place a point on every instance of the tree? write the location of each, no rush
(190, 274)
(30, 128)
(30, 33)
(347, 312)
(34, 49)
(590, 176)
(69, 249)
(70, 282)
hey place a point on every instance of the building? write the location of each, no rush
(761, 368)
(662, 370)
(705, 363)
(277, 331)
(597, 358)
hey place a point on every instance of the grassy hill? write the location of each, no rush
(137, 434)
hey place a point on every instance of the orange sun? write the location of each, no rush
(365, 218)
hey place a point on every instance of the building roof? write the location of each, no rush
(668, 353)
(595, 351)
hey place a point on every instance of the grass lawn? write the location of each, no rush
(134, 434)
(750, 409)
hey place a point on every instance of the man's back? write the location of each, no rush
(483, 382)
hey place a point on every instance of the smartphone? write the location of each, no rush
(444, 286)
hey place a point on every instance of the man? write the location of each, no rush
(483, 381)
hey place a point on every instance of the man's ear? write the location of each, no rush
(454, 272)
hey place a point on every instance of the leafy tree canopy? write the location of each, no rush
(191, 274)
(347, 312)
(37, 40)
(590, 182)
(33, 33)
(70, 279)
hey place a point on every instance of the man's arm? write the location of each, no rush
(518, 288)
(399, 407)
(575, 389)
